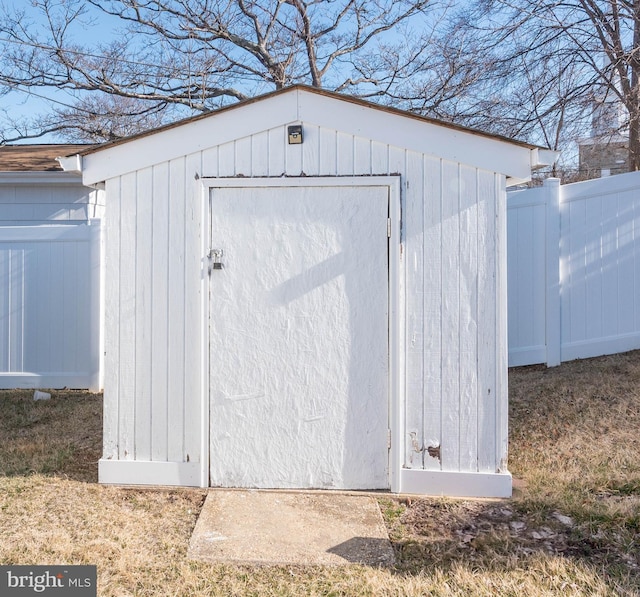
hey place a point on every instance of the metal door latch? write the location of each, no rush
(215, 255)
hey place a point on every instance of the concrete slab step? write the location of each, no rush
(290, 528)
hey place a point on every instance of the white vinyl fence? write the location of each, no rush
(574, 270)
(49, 306)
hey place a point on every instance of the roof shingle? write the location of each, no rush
(36, 157)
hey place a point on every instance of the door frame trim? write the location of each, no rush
(395, 293)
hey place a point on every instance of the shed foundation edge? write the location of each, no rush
(142, 472)
(456, 484)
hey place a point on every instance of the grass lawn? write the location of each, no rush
(573, 527)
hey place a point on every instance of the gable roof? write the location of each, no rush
(313, 106)
(36, 157)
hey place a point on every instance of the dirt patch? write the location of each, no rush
(448, 530)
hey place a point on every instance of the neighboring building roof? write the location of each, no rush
(311, 106)
(603, 140)
(36, 157)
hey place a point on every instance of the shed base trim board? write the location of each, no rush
(600, 346)
(452, 484)
(75, 381)
(570, 351)
(144, 472)
(519, 357)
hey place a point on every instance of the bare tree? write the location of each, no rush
(176, 57)
(554, 59)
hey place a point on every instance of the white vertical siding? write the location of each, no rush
(432, 271)
(160, 285)
(156, 267)
(276, 155)
(500, 357)
(152, 314)
(259, 154)
(112, 325)
(125, 285)
(176, 367)
(489, 341)
(143, 311)
(195, 269)
(450, 314)
(468, 319)
(414, 320)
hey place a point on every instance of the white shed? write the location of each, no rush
(307, 291)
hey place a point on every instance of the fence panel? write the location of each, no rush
(574, 270)
(526, 226)
(600, 266)
(49, 306)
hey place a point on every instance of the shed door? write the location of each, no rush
(299, 337)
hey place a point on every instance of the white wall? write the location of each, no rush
(574, 270)
(454, 372)
(33, 198)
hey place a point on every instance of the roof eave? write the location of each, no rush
(540, 157)
(38, 177)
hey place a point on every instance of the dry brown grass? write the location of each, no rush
(58, 436)
(572, 528)
(575, 453)
(576, 431)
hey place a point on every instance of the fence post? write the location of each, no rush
(552, 267)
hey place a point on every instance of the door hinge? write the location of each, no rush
(388, 227)
(388, 439)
